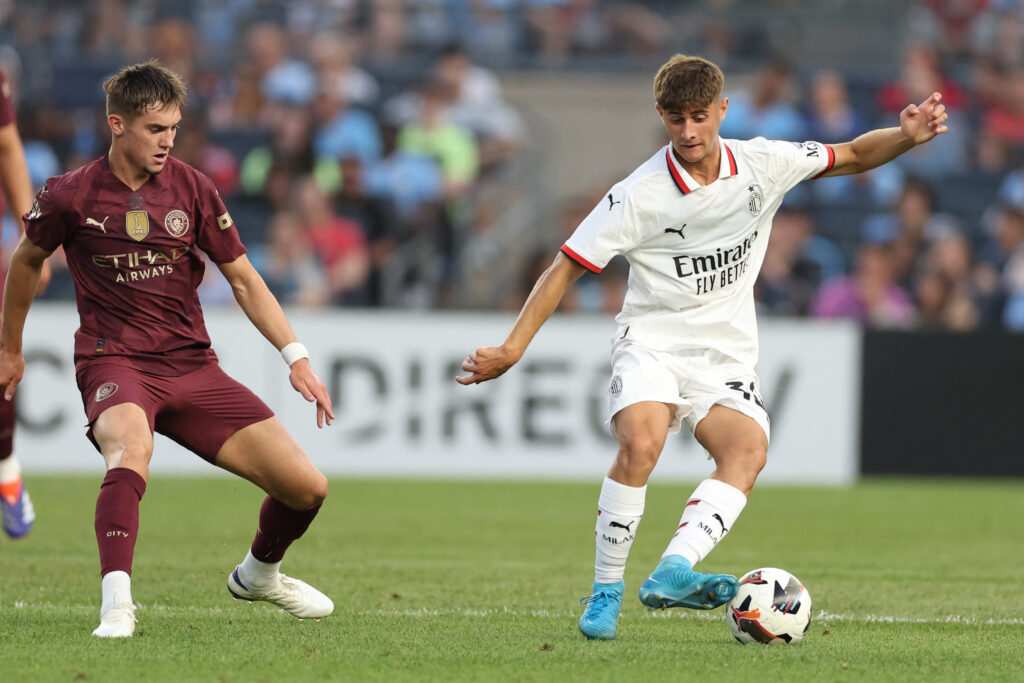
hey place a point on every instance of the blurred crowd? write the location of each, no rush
(367, 151)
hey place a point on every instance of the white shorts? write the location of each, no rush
(693, 380)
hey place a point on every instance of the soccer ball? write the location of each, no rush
(771, 606)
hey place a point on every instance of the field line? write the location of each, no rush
(424, 612)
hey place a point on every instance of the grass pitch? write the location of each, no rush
(911, 581)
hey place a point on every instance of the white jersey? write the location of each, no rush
(694, 251)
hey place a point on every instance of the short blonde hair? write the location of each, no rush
(136, 88)
(685, 81)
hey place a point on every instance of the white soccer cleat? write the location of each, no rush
(293, 596)
(118, 621)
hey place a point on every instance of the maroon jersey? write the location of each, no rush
(135, 259)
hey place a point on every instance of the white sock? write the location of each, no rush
(9, 469)
(619, 510)
(257, 572)
(117, 588)
(710, 512)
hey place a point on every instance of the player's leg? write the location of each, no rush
(16, 508)
(267, 455)
(125, 439)
(641, 430)
(738, 444)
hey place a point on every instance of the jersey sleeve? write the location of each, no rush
(45, 223)
(794, 162)
(608, 231)
(217, 234)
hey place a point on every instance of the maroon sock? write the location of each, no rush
(117, 519)
(7, 419)
(279, 526)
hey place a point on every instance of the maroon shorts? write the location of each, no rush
(199, 410)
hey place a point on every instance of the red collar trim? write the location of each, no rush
(674, 172)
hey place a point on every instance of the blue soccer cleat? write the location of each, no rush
(598, 620)
(673, 583)
(16, 510)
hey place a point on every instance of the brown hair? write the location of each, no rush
(136, 88)
(685, 81)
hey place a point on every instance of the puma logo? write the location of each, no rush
(611, 201)
(623, 526)
(678, 231)
(718, 517)
(98, 224)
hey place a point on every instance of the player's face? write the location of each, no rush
(146, 141)
(694, 131)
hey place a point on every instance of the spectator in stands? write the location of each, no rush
(945, 289)
(830, 117)
(172, 40)
(341, 129)
(947, 25)
(451, 145)
(767, 109)
(908, 227)
(338, 242)
(376, 216)
(288, 264)
(474, 100)
(236, 102)
(1005, 120)
(870, 295)
(795, 264)
(193, 146)
(268, 171)
(922, 73)
(335, 63)
(282, 78)
(1001, 272)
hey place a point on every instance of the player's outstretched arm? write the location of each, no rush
(263, 309)
(493, 361)
(919, 123)
(22, 280)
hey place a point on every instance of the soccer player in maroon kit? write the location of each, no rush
(132, 225)
(16, 508)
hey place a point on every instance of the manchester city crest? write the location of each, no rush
(176, 222)
(105, 391)
(755, 199)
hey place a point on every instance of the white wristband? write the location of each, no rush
(293, 352)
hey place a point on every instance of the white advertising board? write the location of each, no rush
(400, 412)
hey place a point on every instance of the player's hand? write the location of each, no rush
(305, 381)
(12, 368)
(487, 363)
(921, 122)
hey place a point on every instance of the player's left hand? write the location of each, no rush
(487, 363)
(921, 122)
(305, 381)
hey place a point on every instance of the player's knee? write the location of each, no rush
(312, 495)
(319, 491)
(748, 460)
(130, 453)
(640, 452)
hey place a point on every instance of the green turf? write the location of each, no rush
(911, 581)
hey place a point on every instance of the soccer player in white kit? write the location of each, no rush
(693, 223)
